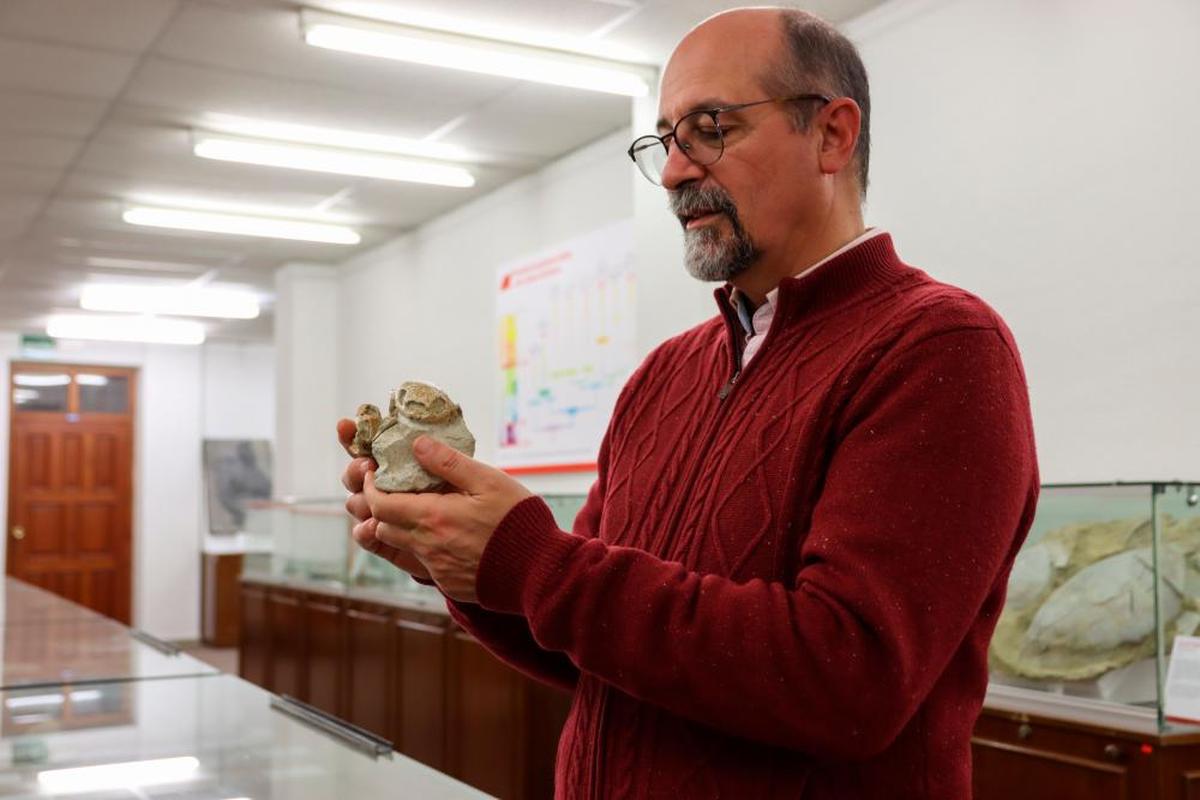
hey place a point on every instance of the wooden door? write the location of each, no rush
(70, 485)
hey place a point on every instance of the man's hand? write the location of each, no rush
(446, 532)
(364, 532)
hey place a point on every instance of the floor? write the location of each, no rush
(223, 658)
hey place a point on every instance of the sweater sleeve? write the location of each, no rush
(928, 493)
(507, 636)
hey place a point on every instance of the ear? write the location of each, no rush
(838, 124)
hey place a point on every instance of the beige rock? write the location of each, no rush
(414, 409)
(366, 427)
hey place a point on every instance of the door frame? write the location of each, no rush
(131, 373)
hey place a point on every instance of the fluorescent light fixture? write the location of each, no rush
(200, 301)
(127, 775)
(34, 700)
(151, 330)
(333, 137)
(460, 51)
(35, 379)
(315, 158)
(240, 225)
(104, 262)
(88, 379)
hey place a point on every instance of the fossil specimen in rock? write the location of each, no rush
(414, 409)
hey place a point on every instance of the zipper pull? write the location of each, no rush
(727, 388)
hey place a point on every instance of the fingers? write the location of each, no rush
(444, 461)
(356, 504)
(352, 476)
(345, 431)
(364, 532)
(397, 508)
(364, 535)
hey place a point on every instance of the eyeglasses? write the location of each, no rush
(699, 136)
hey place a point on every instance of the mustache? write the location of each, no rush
(691, 201)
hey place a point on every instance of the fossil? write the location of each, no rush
(1081, 602)
(414, 409)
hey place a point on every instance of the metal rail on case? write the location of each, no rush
(166, 648)
(364, 741)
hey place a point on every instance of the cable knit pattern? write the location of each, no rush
(784, 588)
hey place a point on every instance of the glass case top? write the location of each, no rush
(214, 738)
(68, 651)
(47, 640)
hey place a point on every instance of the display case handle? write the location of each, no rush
(361, 740)
(166, 648)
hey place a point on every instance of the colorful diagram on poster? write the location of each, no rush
(566, 333)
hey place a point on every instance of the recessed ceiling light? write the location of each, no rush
(334, 137)
(149, 330)
(315, 158)
(241, 225)
(185, 301)
(459, 51)
(105, 262)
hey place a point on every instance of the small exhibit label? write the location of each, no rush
(1183, 680)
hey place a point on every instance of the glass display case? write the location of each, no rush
(90, 708)
(309, 542)
(1108, 577)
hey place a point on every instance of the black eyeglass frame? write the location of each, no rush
(645, 141)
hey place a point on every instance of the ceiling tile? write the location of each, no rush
(27, 180)
(61, 70)
(16, 214)
(34, 150)
(543, 121)
(128, 25)
(256, 43)
(41, 113)
(576, 19)
(407, 108)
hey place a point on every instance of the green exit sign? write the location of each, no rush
(33, 343)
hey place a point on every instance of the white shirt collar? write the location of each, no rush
(773, 295)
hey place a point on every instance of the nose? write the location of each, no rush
(679, 169)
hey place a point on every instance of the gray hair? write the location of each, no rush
(819, 59)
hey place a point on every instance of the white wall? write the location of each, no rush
(175, 397)
(308, 457)
(238, 381)
(1039, 154)
(423, 306)
(1043, 155)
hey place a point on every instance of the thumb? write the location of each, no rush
(442, 460)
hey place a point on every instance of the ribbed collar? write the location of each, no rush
(860, 270)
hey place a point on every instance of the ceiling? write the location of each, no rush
(97, 100)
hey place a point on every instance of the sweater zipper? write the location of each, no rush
(725, 390)
(598, 760)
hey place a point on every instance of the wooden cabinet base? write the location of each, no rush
(220, 615)
(410, 676)
(1038, 758)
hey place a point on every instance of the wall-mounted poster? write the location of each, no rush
(235, 471)
(566, 334)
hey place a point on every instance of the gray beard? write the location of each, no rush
(710, 255)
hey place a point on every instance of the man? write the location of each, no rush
(784, 580)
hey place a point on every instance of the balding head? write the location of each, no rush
(791, 52)
(757, 152)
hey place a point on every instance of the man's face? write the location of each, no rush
(751, 203)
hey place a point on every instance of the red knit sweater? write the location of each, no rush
(784, 588)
